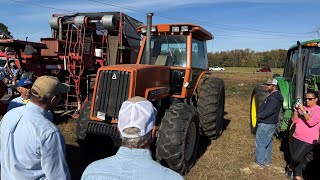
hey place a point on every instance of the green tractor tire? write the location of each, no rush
(258, 95)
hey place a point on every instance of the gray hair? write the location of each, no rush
(139, 142)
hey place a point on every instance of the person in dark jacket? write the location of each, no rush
(268, 118)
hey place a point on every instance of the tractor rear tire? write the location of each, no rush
(210, 106)
(82, 122)
(258, 95)
(178, 138)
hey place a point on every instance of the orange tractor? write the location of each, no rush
(80, 44)
(172, 72)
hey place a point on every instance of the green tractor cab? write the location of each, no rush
(301, 73)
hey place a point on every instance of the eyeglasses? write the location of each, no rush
(269, 84)
(310, 99)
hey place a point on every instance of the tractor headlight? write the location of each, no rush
(175, 29)
(143, 30)
(184, 28)
(153, 29)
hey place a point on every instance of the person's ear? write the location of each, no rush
(153, 134)
(54, 100)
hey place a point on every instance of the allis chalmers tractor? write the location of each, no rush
(80, 44)
(171, 73)
(301, 73)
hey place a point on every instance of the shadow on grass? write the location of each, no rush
(80, 157)
(205, 142)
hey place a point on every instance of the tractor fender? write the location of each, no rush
(284, 88)
(200, 79)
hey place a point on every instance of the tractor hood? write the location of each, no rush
(142, 76)
(117, 83)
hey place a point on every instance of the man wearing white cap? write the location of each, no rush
(133, 160)
(32, 147)
(268, 118)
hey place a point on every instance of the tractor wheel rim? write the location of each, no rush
(190, 141)
(253, 112)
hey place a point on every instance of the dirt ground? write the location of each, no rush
(228, 157)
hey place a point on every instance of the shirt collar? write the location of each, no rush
(33, 107)
(134, 153)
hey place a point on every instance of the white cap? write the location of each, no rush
(273, 81)
(139, 114)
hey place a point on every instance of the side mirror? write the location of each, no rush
(29, 50)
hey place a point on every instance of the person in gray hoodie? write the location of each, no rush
(268, 118)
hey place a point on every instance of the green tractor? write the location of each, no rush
(301, 73)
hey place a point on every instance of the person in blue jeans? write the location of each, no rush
(268, 118)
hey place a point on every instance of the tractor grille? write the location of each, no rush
(113, 89)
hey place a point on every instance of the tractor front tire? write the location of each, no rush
(210, 106)
(258, 95)
(82, 122)
(178, 138)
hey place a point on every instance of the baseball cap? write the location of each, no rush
(47, 87)
(272, 81)
(24, 82)
(136, 112)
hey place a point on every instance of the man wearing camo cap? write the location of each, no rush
(133, 160)
(32, 147)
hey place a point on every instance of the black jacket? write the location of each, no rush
(270, 108)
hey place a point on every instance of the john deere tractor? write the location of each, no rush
(171, 72)
(301, 73)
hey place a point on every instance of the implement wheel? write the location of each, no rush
(178, 138)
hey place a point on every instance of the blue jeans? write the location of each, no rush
(264, 143)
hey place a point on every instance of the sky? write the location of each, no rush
(260, 25)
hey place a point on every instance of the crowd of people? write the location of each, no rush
(32, 147)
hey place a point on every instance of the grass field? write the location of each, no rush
(228, 157)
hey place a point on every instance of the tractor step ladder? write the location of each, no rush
(75, 66)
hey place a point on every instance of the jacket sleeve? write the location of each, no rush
(53, 158)
(271, 105)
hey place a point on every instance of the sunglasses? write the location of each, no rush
(310, 99)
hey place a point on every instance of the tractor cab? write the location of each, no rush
(313, 68)
(182, 47)
(309, 73)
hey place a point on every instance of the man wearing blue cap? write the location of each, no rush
(23, 87)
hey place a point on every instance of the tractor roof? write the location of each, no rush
(196, 30)
(306, 43)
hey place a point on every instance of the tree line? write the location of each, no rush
(248, 58)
